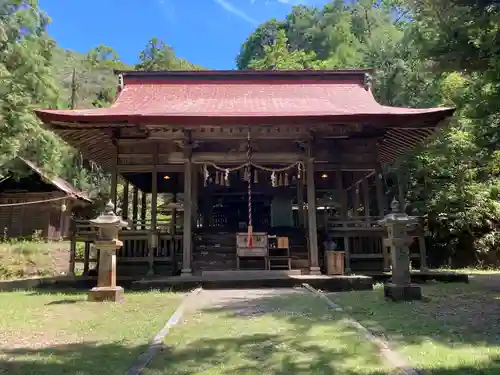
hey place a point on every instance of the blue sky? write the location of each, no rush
(205, 32)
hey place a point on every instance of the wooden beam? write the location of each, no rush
(177, 168)
(216, 157)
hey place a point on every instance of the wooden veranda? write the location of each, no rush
(306, 146)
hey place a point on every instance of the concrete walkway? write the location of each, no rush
(242, 301)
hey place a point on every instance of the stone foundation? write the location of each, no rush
(111, 294)
(409, 292)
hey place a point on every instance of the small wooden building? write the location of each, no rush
(34, 204)
(291, 154)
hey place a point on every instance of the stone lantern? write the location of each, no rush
(398, 225)
(107, 242)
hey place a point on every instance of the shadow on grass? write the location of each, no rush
(257, 350)
(413, 324)
(82, 359)
(202, 356)
(66, 301)
(449, 313)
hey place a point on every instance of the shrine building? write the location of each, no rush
(287, 159)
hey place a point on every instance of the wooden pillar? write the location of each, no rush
(194, 198)
(366, 198)
(380, 192)
(311, 215)
(144, 203)
(381, 205)
(72, 250)
(342, 197)
(347, 244)
(86, 259)
(153, 234)
(300, 202)
(356, 202)
(125, 200)
(135, 206)
(187, 235)
(173, 219)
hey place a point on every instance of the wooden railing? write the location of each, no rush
(358, 223)
(366, 240)
(136, 242)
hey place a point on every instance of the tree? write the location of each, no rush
(27, 82)
(104, 56)
(277, 56)
(159, 56)
(427, 53)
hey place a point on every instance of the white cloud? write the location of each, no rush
(226, 5)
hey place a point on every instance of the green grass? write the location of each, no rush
(294, 334)
(472, 270)
(56, 334)
(453, 331)
(20, 259)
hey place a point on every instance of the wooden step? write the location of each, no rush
(252, 273)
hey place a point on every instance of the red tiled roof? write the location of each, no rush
(198, 98)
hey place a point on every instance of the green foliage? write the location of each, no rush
(427, 53)
(34, 72)
(278, 56)
(26, 81)
(157, 55)
(30, 258)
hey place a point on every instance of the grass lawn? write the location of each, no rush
(471, 271)
(292, 334)
(56, 334)
(454, 331)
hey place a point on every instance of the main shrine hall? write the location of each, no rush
(246, 170)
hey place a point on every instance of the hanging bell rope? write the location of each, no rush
(249, 163)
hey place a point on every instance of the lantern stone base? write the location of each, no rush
(102, 294)
(408, 292)
(314, 271)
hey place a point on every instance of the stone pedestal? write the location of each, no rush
(408, 292)
(314, 271)
(398, 224)
(103, 294)
(106, 290)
